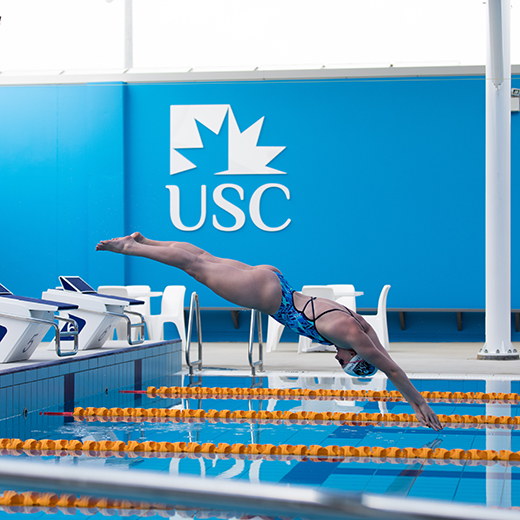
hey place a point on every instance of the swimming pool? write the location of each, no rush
(484, 482)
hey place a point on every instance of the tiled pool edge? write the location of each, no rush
(63, 380)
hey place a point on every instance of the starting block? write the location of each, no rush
(96, 315)
(25, 321)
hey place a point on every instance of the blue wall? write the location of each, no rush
(386, 180)
(62, 183)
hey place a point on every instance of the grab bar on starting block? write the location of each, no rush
(74, 333)
(57, 333)
(194, 305)
(140, 326)
(256, 365)
(129, 325)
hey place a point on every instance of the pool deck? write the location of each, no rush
(418, 360)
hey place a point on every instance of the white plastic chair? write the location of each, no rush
(320, 291)
(274, 333)
(133, 292)
(172, 311)
(116, 290)
(379, 322)
(340, 290)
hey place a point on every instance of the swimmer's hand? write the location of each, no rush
(426, 416)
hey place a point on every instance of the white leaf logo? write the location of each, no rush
(245, 157)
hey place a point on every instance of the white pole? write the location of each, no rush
(498, 477)
(129, 49)
(498, 185)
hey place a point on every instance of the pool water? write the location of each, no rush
(488, 483)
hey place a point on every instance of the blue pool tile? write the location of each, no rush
(309, 473)
(19, 377)
(41, 394)
(58, 390)
(64, 368)
(434, 488)
(6, 380)
(352, 433)
(31, 375)
(83, 365)
(404, 475)
(15, 400)
(399, 485)
(31, 396)
(308, 437)
(6, 397)
(54, 371)
(271, 472)
(347, 483)
(43, 373)
(474, 491)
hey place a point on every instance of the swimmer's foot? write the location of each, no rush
(125, 245)
(139, 238)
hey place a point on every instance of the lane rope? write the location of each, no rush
(301, 450)
(263, 393)
(342, 417)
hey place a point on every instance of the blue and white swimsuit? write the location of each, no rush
(296, 320)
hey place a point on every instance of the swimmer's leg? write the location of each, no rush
(197, 251)
(252, 287)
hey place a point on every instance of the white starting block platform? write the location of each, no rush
(25, 321)
(96, 314)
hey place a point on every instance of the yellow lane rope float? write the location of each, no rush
(286, 422)
(67, 501)
(31, 502)
(263, 393)
(288, 415)
(63, 446)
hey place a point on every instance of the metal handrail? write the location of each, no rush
(139, 325)
(57, 333)
(194, 304)
(129, 325)
(233, 495)
(256, 365)
(74, 333)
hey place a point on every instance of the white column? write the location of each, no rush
(129, 37)
(498, 476)
(498, 185)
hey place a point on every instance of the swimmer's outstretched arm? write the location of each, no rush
(360, 342)
(395, 373)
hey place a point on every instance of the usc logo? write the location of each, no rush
(226, 205)
(245, 157)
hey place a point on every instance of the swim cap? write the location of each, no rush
(358, 367)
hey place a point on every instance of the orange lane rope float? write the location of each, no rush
(31, 502)
(323, 393)
(67, 501)
(63, 446)
(344, 417)
(306, 422)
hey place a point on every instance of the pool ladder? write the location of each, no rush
(256, 365)
(197, 365)
(194, 306)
